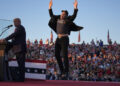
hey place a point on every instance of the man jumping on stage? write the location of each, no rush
(63, 25)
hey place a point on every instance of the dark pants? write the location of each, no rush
(20, 57)
(21, 65)
(61, 47)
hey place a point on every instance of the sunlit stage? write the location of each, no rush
(59, 83)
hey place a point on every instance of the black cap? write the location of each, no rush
(65, 11)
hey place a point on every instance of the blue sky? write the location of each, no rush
(96, 16)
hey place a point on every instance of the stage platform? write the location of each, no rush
(59, 83)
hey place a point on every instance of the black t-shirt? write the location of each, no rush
(62, 27)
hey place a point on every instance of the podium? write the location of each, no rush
(2, 60)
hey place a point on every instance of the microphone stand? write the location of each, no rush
(4, 30)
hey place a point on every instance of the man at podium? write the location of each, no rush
(18, 46)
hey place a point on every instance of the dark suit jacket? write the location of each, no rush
(18, 37)
(72, 26)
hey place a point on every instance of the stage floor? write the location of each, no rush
(59, 83)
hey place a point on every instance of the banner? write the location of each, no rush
(34, 69)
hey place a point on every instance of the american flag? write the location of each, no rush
(51, 37)
(79, 37)
(108, 37)
(34, 69)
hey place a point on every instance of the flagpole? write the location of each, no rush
(108, 37)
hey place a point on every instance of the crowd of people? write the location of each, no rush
(88, 61)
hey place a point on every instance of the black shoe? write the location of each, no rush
(18, 80)
(67, 76)
(62, 77)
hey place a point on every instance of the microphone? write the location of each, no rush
(9, 26)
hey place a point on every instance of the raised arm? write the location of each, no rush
(72, 17)
(50, 10)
